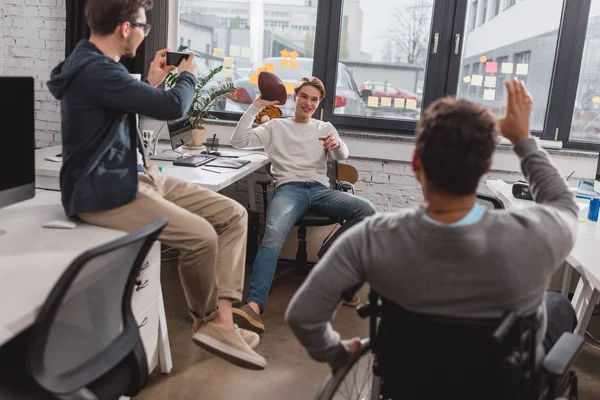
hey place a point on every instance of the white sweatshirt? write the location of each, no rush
(294, 148)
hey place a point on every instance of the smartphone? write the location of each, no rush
(175, 58)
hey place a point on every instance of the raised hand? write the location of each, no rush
(158, 68)
(188, 65)
(515, 124)
(330, 142)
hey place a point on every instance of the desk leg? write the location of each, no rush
(584, 301)
(251, 197)
(164, 348)
(566, 283)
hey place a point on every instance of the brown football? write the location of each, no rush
(271, 87)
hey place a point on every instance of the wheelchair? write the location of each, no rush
(412, 356)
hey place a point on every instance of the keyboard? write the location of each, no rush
(194, 161)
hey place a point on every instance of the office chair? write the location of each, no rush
(85, 342)
(418, 356)
(490, 201)
(342, 177)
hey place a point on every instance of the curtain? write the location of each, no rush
(77, 27)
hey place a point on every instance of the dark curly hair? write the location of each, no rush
(455, 141)
(103, 16)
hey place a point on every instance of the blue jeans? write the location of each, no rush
(288, 204)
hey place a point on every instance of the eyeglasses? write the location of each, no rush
(146, 27)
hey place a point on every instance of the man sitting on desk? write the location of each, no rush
(298, 149)
(102, 155)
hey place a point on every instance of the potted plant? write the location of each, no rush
(204, 100)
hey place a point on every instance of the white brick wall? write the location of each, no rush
(32, 38)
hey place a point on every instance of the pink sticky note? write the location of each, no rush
(491, 67)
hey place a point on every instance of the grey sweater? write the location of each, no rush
(503, 262)
(294, 148)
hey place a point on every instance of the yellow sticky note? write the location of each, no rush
(489, 94)
(253, 79)
(260, 70)
(270, 67)
(289, 87)
(373, 101)
(218, 52)
(490, 81)
(386, 102)
(228, 62)
(507, 68)
(234, 51)
(522, 69)
(293, 64)
(477, 80)
(228, 73)
(284, 63)
(294, 54)
(399, 103)
(284, 53)
(246, 52)
(411, 104)
(467, 79)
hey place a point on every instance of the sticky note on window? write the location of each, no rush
(246, 52)
(467, 79)
(490, 81)
(386, 102)
(477, 80)
(522, 69)
(293, 64)
(253, 79)
(294, 54)
(489, 94)
(507, 68)
(289, 87)
(260, 70)
(373, 101)
(234, 51)
(228, 73)
(411, 104)
(218, 52)
(491, 67)
(270, 67)
(228, 62)
(399, 103)
(284, 63)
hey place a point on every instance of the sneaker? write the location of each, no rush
(228, 344)
(246, 318)
(354, 302)
(251, 338)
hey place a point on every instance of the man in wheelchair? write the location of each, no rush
(452, 259)
(298, 148)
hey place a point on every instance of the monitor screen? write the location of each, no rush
(17, 114)
(180, 132)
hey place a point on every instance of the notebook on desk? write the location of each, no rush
(234, 163)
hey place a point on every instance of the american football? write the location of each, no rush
(271, 87)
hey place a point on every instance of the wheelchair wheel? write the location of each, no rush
(355, 381)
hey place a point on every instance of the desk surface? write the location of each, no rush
(37, 256)
(198, 176)
(585, 256)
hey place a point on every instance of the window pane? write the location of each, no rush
(246, 36)
(509, 42)
(383, 51)
(586, 115)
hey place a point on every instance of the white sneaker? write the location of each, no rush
(251, 338)
(229, 344)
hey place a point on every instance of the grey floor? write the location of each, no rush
(290, 374)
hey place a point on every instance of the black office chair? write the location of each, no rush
(85, 343)
(424, 357)
(490, 201)
(342, 177)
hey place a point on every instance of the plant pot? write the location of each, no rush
(197, 138)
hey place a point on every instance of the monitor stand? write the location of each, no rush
(167, 155)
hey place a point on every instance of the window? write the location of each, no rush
(473, 20)
(533, 51)
(483, 13)
(495, 8)
(509, 3)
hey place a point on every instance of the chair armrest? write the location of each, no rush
(495, 201)
(561, 355)
(345, 187)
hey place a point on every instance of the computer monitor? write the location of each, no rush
(17, 108)
(180, 132)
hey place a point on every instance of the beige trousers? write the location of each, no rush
(208, 229)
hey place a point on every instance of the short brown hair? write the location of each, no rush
(312, 81)
(455, 141)
(103, 16)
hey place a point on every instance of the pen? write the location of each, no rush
(210, 170)
(570, 175)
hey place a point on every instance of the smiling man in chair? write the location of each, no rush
(298, 149)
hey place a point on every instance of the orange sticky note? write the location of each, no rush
(270, 67)
(285, 53)
(253, 79)
(289, 87)
(284, 63)
(294, 54)
(293, 64)
(260, 70)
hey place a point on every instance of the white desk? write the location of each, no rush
(585, 257)
(47, 172)
(33, 258)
